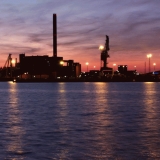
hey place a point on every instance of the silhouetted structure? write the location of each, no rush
(122, 69)
(104, 55)
(45, 67)
(42, 67)
(54, 35)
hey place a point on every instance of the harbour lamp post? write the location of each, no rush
(149, 56)
(114, 65)
(154, 64)
(87, 65)
(145, 67)
(13, 62)
(101, 48)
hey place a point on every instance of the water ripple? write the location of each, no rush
(80, 121)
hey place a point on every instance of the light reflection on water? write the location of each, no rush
(151, 122)
(14, 130)
(103, 120)
(80, 121)
(61, 117)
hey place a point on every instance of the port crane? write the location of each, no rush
(105, 55)
(8, 67)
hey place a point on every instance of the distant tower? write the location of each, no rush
(105, 55)
(54, 35)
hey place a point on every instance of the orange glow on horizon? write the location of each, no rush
(92, 56)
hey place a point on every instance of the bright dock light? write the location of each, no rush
(149, 55)
(13, 61)
(61, 62)
(101, 47)
(87, 65)
(154, 64)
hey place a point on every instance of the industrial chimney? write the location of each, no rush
(54, 35)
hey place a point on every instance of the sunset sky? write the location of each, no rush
(82, 25)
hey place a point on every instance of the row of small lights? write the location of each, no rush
(101, 48)
(154, 64)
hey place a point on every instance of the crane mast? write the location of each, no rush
(8, 66)
(105, 55)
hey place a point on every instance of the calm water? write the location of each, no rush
(88, 121)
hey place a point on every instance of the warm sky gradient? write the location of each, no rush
(133, 27)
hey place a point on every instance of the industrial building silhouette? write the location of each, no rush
(54, 68)
(42, 67)
(45, 67)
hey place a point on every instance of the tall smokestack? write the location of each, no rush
(54, 35)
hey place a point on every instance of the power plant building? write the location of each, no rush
(45, 67)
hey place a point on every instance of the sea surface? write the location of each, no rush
(80, 121)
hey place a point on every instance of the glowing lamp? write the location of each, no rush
(61, 62)
(101, 47)
(13, 61)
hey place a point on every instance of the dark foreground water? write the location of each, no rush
(90, 121)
